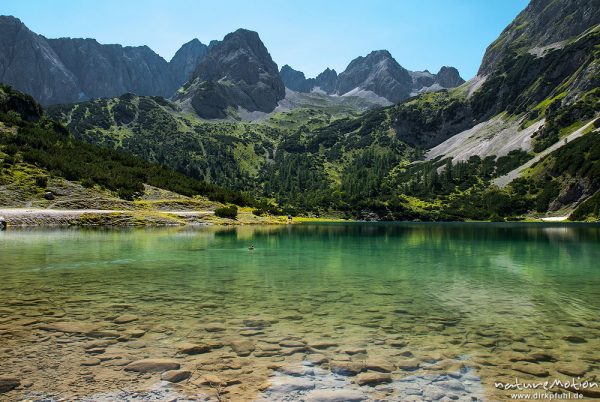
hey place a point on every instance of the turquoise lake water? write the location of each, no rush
(488, 299)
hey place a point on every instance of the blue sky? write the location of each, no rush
(308, 35)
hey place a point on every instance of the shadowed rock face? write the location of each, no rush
(111, 70)
(327, 80)
(237, 72)
(70, 70)
(184, 62)
(294, 80)
(28, 63)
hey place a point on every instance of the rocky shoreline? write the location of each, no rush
(27, 217)
(127, 357)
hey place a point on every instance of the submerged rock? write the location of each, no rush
(531, 368)
(335, 395)
(193, 349)
(125, 318)
(538, 357)
(175, 375)
(574, 339)
(152, 365)
(243, 348)
(90, 362)
(573, 369)
(70, 327)
(355, 351)
(409, 365)
(291, 384)
(8, 384)
(291, 344)
(372, 378)
(324, 345)
(316, 358)
(214, 328)
(136, 333)
(256, 323)
(346, 367)
(213, 380)
(380, 365)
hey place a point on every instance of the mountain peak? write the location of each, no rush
(9, 19)
(382, 53)
(294, 80)
(186, 59)
(193, 44)
(236, 72)
(244, 37)
(237, 50)
(379, 73)
(449, 77)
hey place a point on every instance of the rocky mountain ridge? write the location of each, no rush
(378, 73)
(67, 70)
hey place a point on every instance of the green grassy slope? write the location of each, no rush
(319, 160)
(35, 149)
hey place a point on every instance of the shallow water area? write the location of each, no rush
(358, 311)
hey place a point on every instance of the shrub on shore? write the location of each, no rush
(227, 212)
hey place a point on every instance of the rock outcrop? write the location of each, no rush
(236, 73)
(326, 81)
(542, 25)
(112, 70)
(294, 80)
(448, 77)
(29, 64)
(378, 72)
(184, 62)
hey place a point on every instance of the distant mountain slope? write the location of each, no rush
(236, 73)
(377, 74)
(30, 64)
(294, 80)
(69, 70)
(109, 70)
(326, 80)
